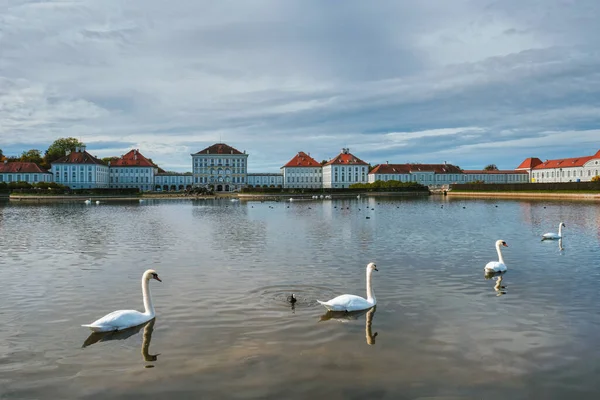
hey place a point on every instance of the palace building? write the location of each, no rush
(344, 170)
(577, 169)
(302, 171)
(220, 166)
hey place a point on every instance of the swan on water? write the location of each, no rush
(497, 266)
(350, 302)
(552, 235)
(123, 319)
(97, 201)
(88, 201)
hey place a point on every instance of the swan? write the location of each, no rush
(123, 319)
(553, 236)
(350, 302)
(497, 266)
(88, 201)
(97, 201)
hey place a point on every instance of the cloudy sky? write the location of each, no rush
(470, 82)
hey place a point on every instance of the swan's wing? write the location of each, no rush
(345, 302)
(120, 319)
(495, 266)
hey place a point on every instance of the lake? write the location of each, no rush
(224, 328)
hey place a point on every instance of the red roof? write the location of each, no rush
(302, 160)
(565, 162)
(391, 169)
(346, 158)
(132, 159)
(530, 163)
(78, 157)
(494, 172)
(219, 148)
(22, 168)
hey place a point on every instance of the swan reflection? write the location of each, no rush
(498, 287)
(343, 316)
(560, 246)
(96, 337)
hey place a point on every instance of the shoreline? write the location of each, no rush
(527, 195)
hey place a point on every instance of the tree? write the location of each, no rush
(1, 154)
(491, 167)
(33, 155)
(596, 178)
(59, 148)
(106, 160)
(324, 162)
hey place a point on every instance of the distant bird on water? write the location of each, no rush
(292, 299)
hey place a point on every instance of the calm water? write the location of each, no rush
(224, 328)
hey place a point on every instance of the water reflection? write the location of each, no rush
(97, 337)
(498, 287)
(345, 316)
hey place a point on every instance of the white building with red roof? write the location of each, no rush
(23, 172)
(220, 166)
(344, 170)
(80, 170)
(302, 171)
(577, 169)
(132, 170)
(442, 174)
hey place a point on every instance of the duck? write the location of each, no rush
(292, 298)
(554, 236)
(350, 302)
(497, 266)
(123, 319)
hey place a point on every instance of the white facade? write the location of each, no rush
(303, 177)
(344, 170)
(220, 166)
(268, 180)
(80, 170)
(170, 182)
(132, 177)
(442, 174)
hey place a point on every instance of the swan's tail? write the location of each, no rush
(325, 304)
(94, 328)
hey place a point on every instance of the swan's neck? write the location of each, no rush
(148, 306)
(500, 259)
(370, 294)
(560, 229)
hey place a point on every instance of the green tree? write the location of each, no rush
(324, 162)
(491, 167)
(105, 160)
(1, 154)
(33, 155)
(59, 148)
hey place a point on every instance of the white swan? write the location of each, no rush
(88, 201)
(123, 319)
(553, 236)
(97, 201)
(497, 266)
(350, 302)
